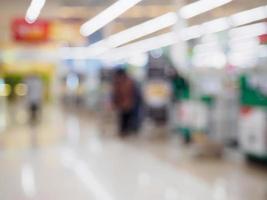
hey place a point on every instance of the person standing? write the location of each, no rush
(181, 92)
(34, 96)
(127, 101)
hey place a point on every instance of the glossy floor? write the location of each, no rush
(72, 155)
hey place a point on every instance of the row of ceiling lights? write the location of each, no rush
(121, 6)
(135, 32)
(222, 24)
(151, 26)
(128, 35)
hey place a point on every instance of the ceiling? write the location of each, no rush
(151, 8)
(228, 9)
(87, 9)
(108, 2)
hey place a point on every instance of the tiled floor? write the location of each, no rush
(68, 157)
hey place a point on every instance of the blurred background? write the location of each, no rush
(133, 99)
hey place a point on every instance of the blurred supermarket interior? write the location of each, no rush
(133, 99)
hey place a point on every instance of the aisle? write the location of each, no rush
(66, 157)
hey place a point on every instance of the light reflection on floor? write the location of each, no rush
(66, 157)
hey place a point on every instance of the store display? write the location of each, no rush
(253, 131)
(253, 115)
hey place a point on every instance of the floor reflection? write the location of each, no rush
(67, 155)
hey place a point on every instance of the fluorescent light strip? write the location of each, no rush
(34, 10)
(133, 33)
(248, 16)
(216, 25)
(108, 15)
(191, 32)
(125, 51)
(143, 29)
(185, 34)
(161, 41)
(222, 24)
(248, 31)
(201, 6)
(121, 38)
(143, 46)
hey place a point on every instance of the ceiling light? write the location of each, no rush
(216, 25)
(108, 15)
(121, 52)
(34, 10)
(143, 29)
(248, 31)
(248, 16)
(142, 46)
(201, 6)
(222, 24)
(133, 33)
(191, 32)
